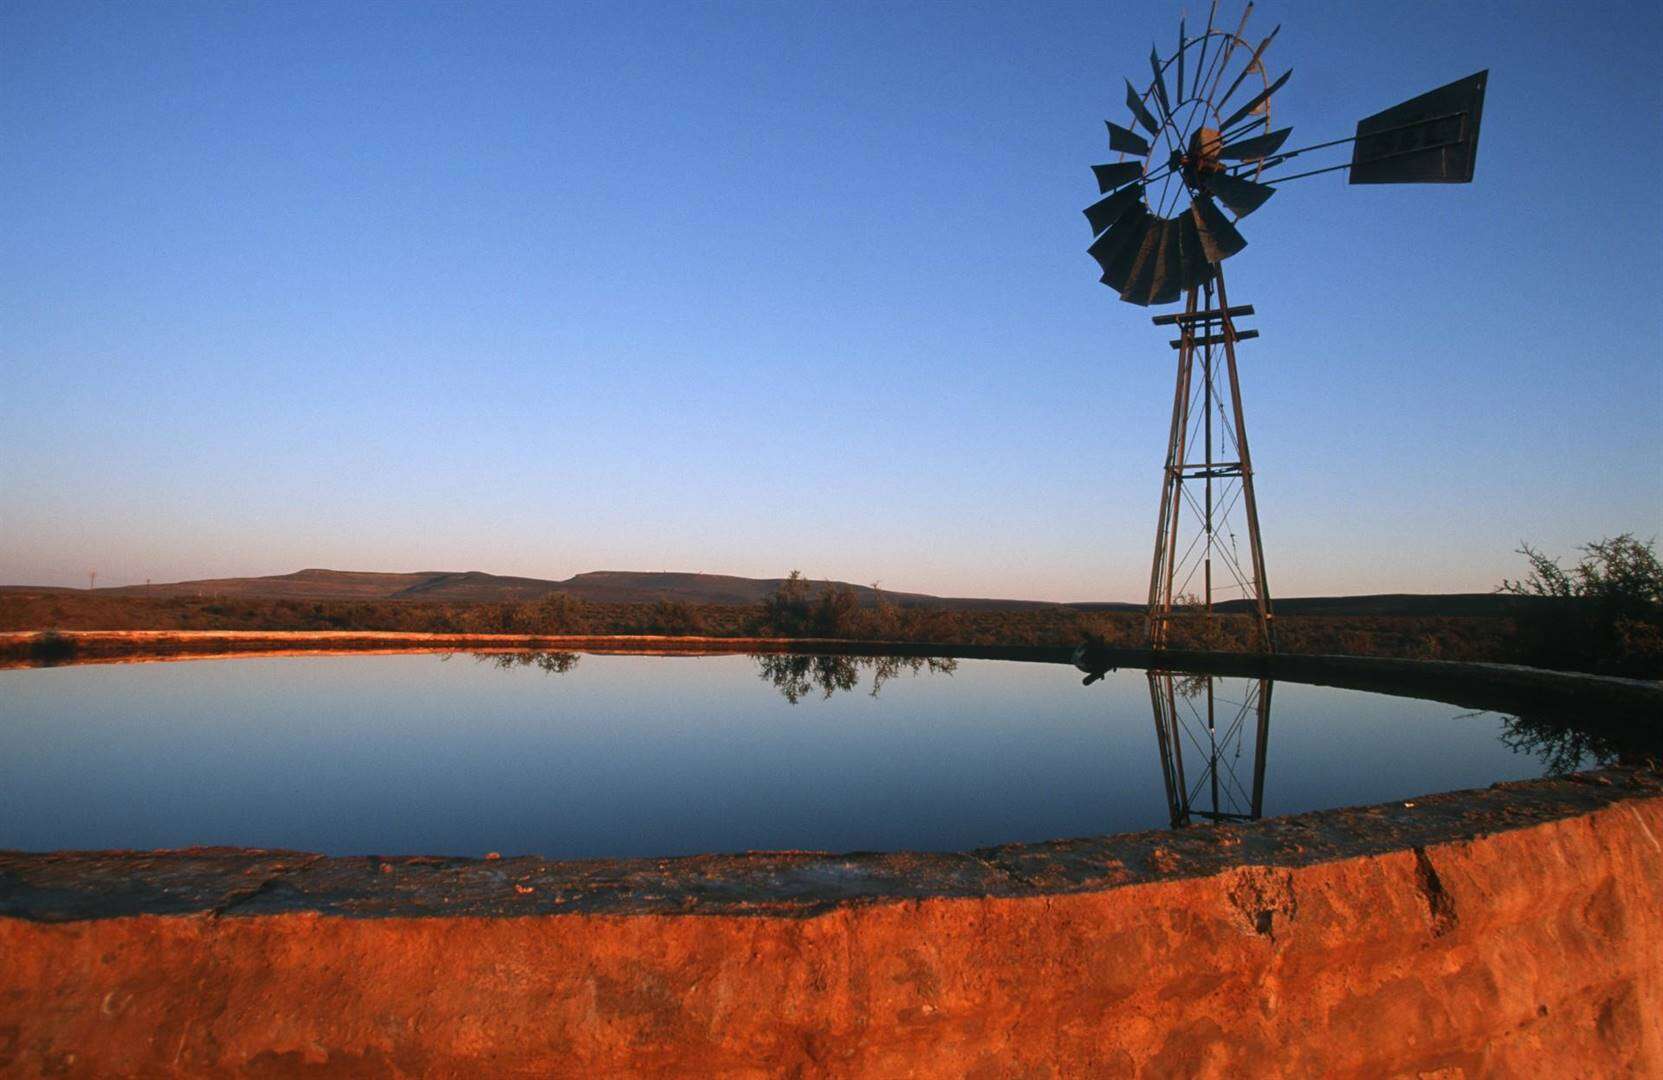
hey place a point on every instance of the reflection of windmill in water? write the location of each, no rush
(1202, 738)
(1198, 154)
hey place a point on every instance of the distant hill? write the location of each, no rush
(476, 586)
(301, 585)
(635, 587)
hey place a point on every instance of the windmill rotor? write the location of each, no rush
(1157, 229)
(1198, 153)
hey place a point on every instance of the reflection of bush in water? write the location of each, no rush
(50, 647)
(552, 663)
(797, 676)
(1564, 746)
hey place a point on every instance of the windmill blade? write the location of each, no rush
(1109, 245)
(1136, 227)
(1241, 196)
(1219, 238)
(1206, 39)
(1229, 50)
(1106, 211)
(1252, 64)
(1194, 269)
(1182, 41)
(1110, 177)
(1259, 98)
(1126, 140)
(1160, 85)
(1127, 232)
(1120, 269)
(1136, 104)
(1256, 148)
(1169, 275)
(1142, 274)
(1244, 129)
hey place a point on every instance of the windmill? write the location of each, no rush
(1199, 153)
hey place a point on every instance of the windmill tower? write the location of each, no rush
(1200, 135)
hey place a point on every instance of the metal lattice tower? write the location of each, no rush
(1207, 481)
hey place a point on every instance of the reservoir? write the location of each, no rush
(576, 756)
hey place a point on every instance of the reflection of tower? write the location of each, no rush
(1187, 710)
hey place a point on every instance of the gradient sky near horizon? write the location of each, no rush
(742, 287)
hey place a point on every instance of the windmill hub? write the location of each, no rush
(1201, 159)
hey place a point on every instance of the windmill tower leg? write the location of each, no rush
(1267, 617)
(1217, 482)
(1172, 473)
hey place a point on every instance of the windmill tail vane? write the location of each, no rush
(1197, 154)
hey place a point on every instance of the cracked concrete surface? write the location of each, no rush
(1439, 906)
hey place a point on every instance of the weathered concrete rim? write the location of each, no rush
(1501, 687)
(76, 886)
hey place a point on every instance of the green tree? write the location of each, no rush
(786, 610)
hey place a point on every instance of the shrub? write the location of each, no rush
(674, 617)
(561, 613)
(1603, 614)
(837, 613)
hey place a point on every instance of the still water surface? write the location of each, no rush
(570, 756)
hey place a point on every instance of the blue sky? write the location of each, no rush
(546, 288)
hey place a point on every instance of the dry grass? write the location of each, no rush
(1492, 638)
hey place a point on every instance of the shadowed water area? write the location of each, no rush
(565, 755)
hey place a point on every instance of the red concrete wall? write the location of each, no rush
(1533, 952)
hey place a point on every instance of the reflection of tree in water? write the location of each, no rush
(797, 676)
(552, 663)
(1191, 685)
(1565, 745)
